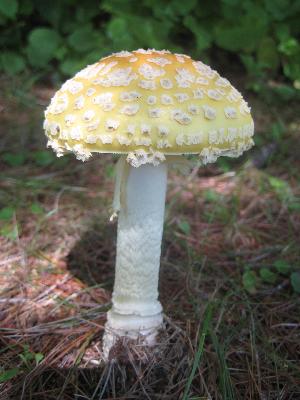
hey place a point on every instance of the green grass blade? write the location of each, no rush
(226, 387)
(198, 356)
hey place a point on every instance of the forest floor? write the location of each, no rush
(230, 273)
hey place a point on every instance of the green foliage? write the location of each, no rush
(250, 281)
(267, 275)
(185, 227)
(211, 196)
(43, 158)
(65, 35)
(12, 62)
(35, 208)
(9, 374)
(271, 275)
(8, 227)
(29, 360)
(8, 8)
(14, 159)
(282, 189)
(9, 231)
(282, 267)
(42, 45)
(6, 213)
(295, 281)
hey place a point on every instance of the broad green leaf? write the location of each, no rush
(43, 158)
(110, 171)
(9, 8)
(118, 30)
(96, 54)
(281, 9)
(38, 357)
(267, 275)
(35, 208)
(295, 281)
(294, 206)
(42, 45)
(87, 10)
(254, 68)
(285, 92)
(185, 227)
(61, 53)
(14, 159)
(26, 356)
(282, 31)
(203, 36)
(225, 164)
(291, 67)
(211, 195)
(267, 53)
(179, 7)
(289, 47)
(12, 62)
(25, 7)
(282, 266)
(278, 184)
(250, 281)
(71, 65)
(53, 11)
(85, 38)
(9, 374)
(282, 189)
(9, 231)
(244, 35)
(277, 130)
(6, 213)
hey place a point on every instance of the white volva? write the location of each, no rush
(136, 311)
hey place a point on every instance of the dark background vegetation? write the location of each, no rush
(62, 36)
(230, 276)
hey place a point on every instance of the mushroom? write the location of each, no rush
(147, 106)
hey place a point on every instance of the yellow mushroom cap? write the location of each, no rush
(149, 104)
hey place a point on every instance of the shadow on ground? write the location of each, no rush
(92, 258)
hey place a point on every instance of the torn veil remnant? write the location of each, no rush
(148, 106)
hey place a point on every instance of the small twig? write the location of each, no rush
(286, 325)
(52, 287)
(10, 260)
(15, 301)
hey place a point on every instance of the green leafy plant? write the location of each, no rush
(185, 227)
(250, 281)
(43, 158)
(6, 213)
(36, 208)
(263, 35)
(271, 275)
(295, 281)
(14, 159)
(28, 360)
(9, 374)
(268, 276)
(282, 267)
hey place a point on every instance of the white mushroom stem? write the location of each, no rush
(136, 312)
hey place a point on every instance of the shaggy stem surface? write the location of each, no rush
(136, 312)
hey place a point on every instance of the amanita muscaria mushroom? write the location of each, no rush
(147, 106)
